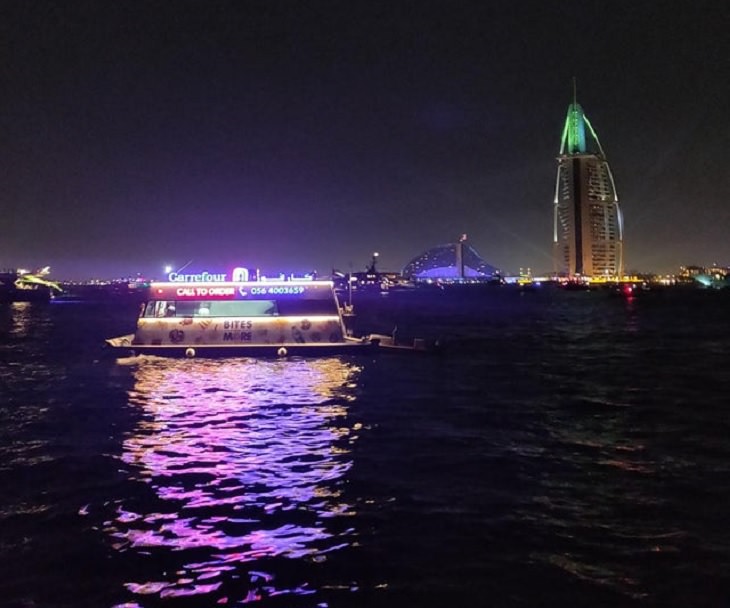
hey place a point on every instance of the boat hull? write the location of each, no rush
(370, 345)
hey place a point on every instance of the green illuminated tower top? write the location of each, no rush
(574, 130)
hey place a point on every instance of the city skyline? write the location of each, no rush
(284, 137)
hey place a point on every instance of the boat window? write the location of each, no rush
(160, 308)
(211, 308)
(241, 308)
(186, 309)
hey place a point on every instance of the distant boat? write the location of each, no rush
(22, 286)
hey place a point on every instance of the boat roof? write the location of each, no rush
(245, 283)
(241, 290)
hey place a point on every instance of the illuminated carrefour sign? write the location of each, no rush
(237, 275)
(202, 277)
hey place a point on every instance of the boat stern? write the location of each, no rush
(120, 341)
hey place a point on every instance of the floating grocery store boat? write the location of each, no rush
(256, 318)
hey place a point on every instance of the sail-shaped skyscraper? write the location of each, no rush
(588, 225)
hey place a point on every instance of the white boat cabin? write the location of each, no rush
(244, 313)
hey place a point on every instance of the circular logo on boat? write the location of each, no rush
(177, 336)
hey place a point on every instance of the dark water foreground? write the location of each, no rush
(567, 449)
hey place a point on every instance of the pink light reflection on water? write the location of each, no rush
(246, 459)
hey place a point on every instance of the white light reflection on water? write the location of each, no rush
(246, 459)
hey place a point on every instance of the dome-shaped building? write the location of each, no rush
(452, 262)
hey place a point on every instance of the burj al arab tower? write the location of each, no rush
(588, 225)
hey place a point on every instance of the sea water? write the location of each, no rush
(563, 449)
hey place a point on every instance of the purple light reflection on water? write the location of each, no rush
(246, 459)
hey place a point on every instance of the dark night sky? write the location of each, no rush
(305, 135)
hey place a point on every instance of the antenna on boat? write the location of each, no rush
(349, 287)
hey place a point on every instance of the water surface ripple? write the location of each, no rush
(246, 460)
(566, 449)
